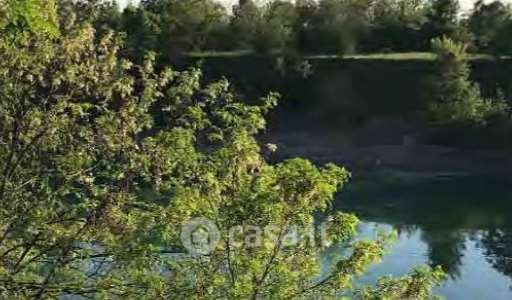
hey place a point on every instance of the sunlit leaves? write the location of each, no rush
(415, 286)
(39, 16)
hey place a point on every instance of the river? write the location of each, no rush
(463, 224)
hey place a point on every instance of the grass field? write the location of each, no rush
(380, 56)
(206, 54)
(372, 56)
(409, 56)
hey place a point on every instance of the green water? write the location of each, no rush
(461, 224)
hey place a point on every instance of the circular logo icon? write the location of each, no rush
(200, 236)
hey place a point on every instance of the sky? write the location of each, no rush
(466, 4)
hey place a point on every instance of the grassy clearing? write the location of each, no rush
(380, 56)
(425, 56)
(207, 54)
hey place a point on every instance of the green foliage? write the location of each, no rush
(142, 31)
(103, 15)
(187, 25)
(102, 161)
(306, 26)
(485, 22)
(415, 286)
(336, 26)
(442, 18)
(35, 15)
(247, 17)
(491, 24)
(275, 31)
(397, 25)
(457, 100)
(174, 27)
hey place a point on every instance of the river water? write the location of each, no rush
(463, 224)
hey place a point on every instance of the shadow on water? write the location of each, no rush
(462, 224)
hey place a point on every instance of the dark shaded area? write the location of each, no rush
(346, 87)
(349, 93)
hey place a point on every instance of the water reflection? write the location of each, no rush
(498, 249)
(445, 249)
(463, 225)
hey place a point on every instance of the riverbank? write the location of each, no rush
(405, 159)
(358, 111)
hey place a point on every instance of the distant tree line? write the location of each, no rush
(172, 27)
(290, 29)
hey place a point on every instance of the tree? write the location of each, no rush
(187, 25)
(396, 25)
(276, 29)
(486, 21)
(142, 30)
(443, 21)
(246, 19)
(335, 26)
(306, 10)
(457, 100)
(502, 45)
(102, 162)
